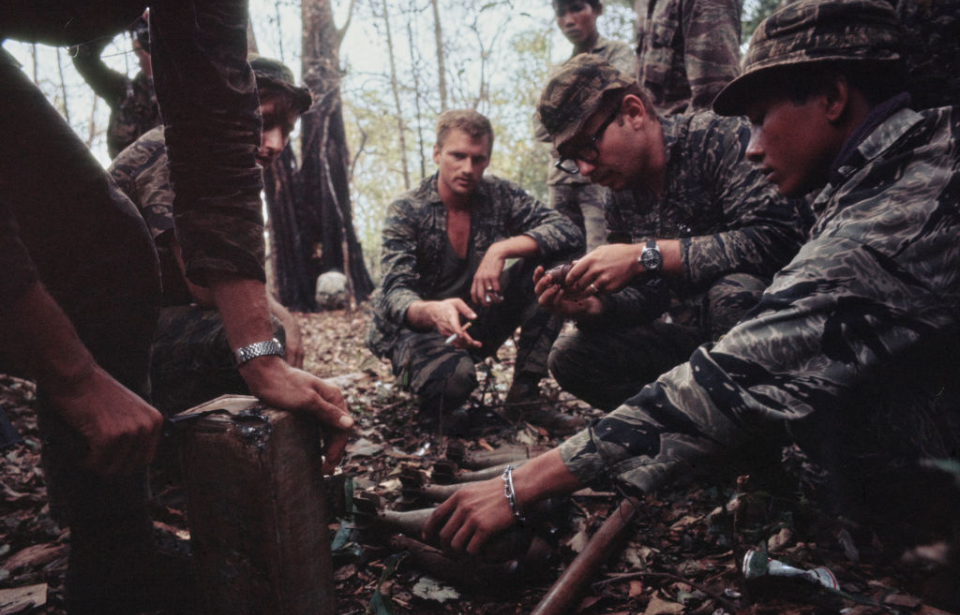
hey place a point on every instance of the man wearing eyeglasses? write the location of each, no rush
(695, 232)
(570, 193)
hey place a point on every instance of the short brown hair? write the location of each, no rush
(468, 120)
(594, 4)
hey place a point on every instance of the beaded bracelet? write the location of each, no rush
(511, 495)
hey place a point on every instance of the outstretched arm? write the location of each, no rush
(473, 514)
(485, 289)
(611, 267)
(243, 306)
(444, 318)
(107, 83)
(199, 74)
(121, 429)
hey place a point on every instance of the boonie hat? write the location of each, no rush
(575, 93)
(276, 74)
(812, 31)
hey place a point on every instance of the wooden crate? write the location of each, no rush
(257, 510)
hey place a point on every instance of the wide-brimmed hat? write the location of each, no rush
(809, 32)
(274, 73)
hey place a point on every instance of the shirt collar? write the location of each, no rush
(852, 154)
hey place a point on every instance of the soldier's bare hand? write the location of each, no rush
(485, 289)
(557, 299)
(444, 317)
(607, 269)
(466, 520)
(281, 386)
(120, 428)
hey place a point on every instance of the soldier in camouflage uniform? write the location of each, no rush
(685, 193)
(853, 348)
(571, 193)
(192, 360)
(80, 287)
(687, 50)
(133, 103)
(445, 244)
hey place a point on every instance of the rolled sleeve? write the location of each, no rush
(555, 234)
(210, 109)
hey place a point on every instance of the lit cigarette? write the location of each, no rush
(455, 335)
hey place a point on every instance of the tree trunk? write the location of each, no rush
(415, 73)
(292, 276)
(395, 88)
(441, 56)
(36, 70)
(311, 213)
(63, 87)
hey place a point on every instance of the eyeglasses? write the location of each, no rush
(589, 152)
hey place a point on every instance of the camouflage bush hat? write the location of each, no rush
(276, 74)
(575, 93)
(812, 31)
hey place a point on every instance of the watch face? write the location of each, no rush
(651, 259)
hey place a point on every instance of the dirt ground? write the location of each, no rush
(682, 553)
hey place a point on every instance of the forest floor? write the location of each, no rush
(682, 555)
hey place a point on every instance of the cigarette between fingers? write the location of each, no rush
(450, 339)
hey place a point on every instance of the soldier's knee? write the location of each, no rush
(562, 361)
(451, 381)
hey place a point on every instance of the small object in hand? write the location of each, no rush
(450, 339)
(559, 273)
(593, 289)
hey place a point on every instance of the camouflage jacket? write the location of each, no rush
(687, 50)
(855, 336)
(208, 96)
(621, 57)
(141, 172)
(728, 217)
(415, 236)
(133, 103)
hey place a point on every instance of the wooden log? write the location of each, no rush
(256, 508)
(565, 594)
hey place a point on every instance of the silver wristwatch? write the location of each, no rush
(258, 349)
(650, 257)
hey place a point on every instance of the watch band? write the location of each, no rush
(258, 349)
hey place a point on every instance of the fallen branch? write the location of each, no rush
(565, 594)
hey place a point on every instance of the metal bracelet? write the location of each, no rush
(511, 495)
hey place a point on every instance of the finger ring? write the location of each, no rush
(593, 289)
(490, 288)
